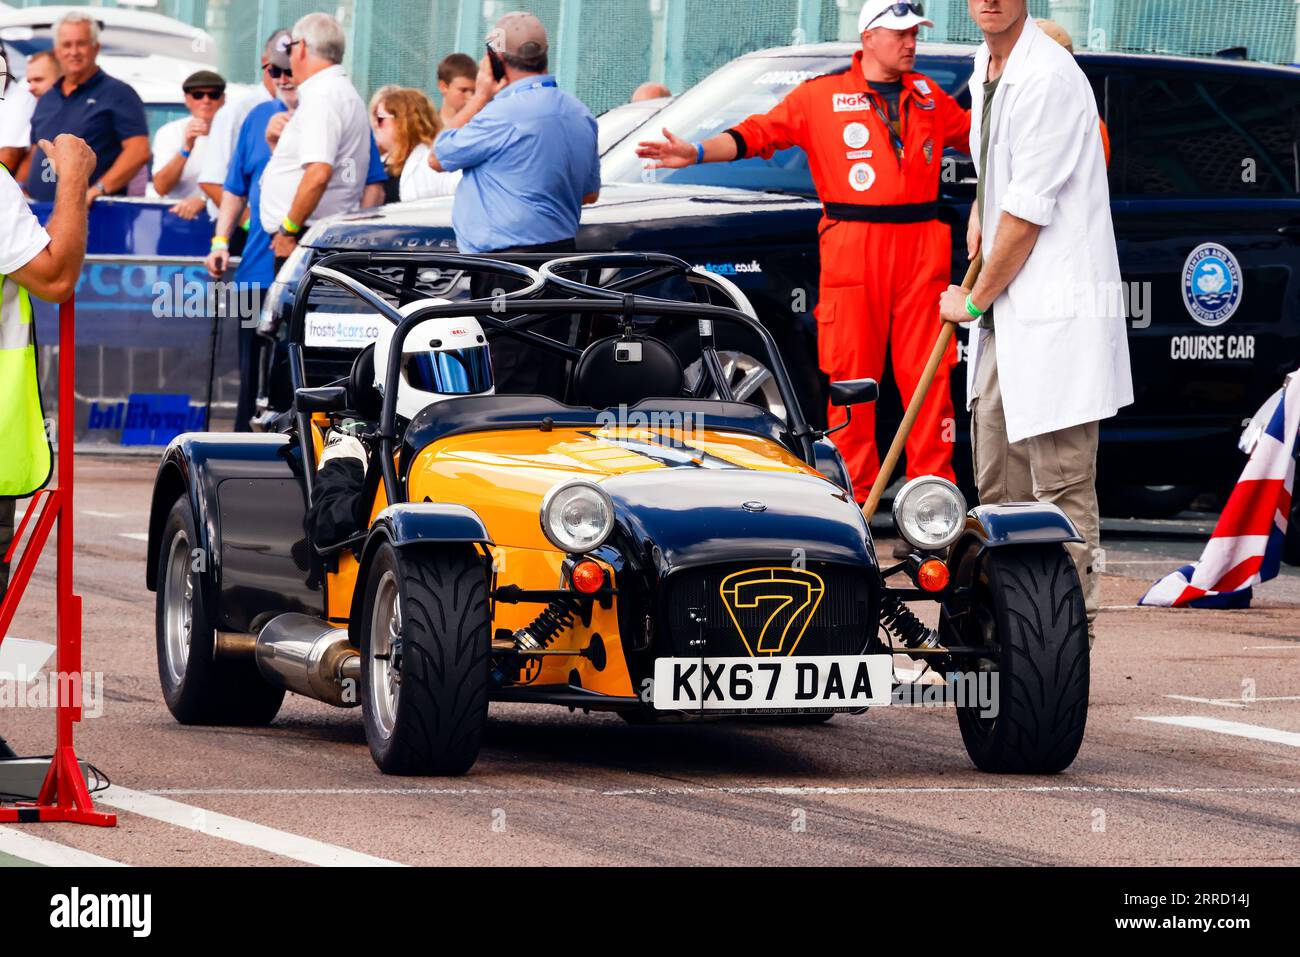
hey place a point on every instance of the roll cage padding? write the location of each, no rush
(514, 312)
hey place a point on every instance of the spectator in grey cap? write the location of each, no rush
(528, 151)
(179, 146)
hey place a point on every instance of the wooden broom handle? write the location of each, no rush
(918, 396)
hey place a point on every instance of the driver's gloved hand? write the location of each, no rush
(337, 511)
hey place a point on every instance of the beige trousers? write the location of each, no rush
(1057, 467)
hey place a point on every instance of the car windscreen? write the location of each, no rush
(613, 125)
(738, 90)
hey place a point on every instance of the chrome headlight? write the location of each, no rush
(929, 512)
(577, 516)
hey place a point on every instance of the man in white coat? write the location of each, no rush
(1048, 355)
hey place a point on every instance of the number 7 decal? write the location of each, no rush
(771, 607)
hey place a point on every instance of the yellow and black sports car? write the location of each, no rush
(642, 542)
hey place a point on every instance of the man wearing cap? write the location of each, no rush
(528, 150)
(224, 132)
(1049, 358)
(874, 133)
(90, 104)
(179, 146)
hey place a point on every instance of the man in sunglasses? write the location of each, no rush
(90, 104)
(226, 125)
(179, 146)
(874, 133)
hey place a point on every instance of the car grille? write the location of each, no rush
(768, 597)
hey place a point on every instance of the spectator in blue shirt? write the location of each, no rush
(87, 102)
(243, 188)
(528, 152)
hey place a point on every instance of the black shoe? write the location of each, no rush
(6, 751)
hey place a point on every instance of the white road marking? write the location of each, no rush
(1227, 703)
(1233, 702)
(1235, 728)
(38, 850)
(202, 821)
(136, 536)
(735, 789)
(1152, 561)
(91, 511)
(1289, 646)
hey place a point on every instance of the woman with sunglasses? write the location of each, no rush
(405, 124)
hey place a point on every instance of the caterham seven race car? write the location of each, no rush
(643, 541)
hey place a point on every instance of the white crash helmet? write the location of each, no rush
(441, 358)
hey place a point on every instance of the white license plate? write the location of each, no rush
(759, 684)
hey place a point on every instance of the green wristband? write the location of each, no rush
(974, 311)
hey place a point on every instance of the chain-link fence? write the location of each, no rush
(602, 49)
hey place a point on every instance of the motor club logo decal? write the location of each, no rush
(862, 177)
(1212, 284)
(771, 607)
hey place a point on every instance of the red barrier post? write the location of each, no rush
(64, 795)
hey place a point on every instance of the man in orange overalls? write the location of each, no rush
(874, 133)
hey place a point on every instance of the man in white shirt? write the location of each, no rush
(179, 146)
(1053, 361)
(17, 106)
(320, 162)
(224, 133)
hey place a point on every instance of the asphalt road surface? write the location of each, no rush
(1190, 755)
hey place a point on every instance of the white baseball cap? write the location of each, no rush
(892, 15)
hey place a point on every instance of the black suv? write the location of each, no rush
(1205, 194)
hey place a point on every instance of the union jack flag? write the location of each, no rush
(1245, 547)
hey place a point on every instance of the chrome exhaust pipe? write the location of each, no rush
(309, 657)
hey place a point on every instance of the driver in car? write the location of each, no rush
(441, 358)
(874, 133)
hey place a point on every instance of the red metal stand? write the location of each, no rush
(64, 795)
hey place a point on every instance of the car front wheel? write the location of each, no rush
(425, 644)
(1027, 702)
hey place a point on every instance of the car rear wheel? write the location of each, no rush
(1027, 609)
(1147, 501)
(750, 381)
(425, 644)
(200, 688)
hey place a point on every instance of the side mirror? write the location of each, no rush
(854, 392)
(328, 398)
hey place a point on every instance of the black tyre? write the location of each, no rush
(425, 643)
(200, 688)
(1028, 610)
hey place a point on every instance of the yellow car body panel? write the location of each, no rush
(503, 475)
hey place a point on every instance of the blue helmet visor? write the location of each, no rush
(451, 372)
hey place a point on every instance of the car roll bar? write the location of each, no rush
(337, 269)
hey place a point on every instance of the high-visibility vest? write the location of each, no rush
(25, 455)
